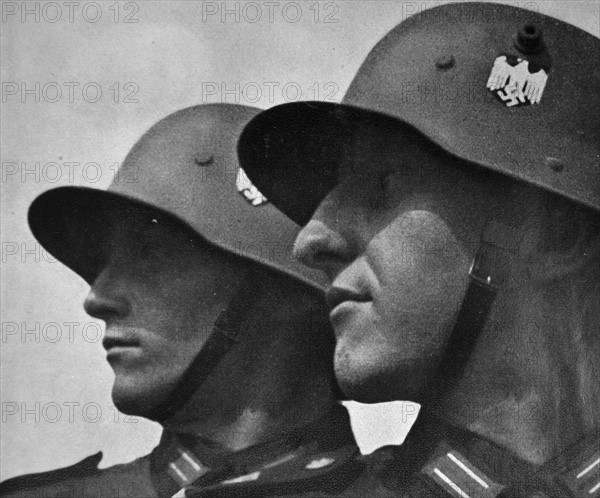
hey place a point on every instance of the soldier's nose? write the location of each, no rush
(320, 247)
(101, 304)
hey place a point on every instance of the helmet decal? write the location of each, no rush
(514, 84)
(248, 190)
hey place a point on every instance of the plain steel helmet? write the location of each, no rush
(185, 166)
(497, 86)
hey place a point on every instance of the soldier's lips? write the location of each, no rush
(117, 343)
(343, 301)
(119, 351)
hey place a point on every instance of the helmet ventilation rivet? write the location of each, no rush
(445, 62)
(555, 164)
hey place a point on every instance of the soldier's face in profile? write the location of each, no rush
(159, 294)
(386, 238)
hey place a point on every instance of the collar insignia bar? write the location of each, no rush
(460, 478)
(187, 468)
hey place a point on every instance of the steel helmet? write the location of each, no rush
(497, 86)
(185, 166)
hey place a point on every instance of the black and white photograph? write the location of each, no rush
(300, 248)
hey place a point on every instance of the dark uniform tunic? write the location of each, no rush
(321, 459)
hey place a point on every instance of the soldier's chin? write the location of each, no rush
(364, 387)
(359, 378)
(132, 401)
(368, 377)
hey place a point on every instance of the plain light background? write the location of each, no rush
(56, 406)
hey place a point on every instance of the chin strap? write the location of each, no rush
(489, 271)
(225, 334)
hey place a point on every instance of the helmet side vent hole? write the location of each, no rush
(445, 62)
(555, 164)
(203, 159)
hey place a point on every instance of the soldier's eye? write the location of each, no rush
(384, 182)
(381, 191)
(391, 190)
(389, 182)
(148, 251)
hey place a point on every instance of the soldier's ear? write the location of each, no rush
(567, 241)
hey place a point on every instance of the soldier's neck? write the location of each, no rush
(526, 387)
(259, 392)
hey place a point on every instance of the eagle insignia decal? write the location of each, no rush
(246, 188)
(512, 81)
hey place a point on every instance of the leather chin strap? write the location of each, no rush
(489, 272)
(225, 334)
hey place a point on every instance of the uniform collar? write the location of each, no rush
(326, 444)
(443, 460)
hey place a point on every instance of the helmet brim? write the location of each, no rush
(74, 224)
(292, 152)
